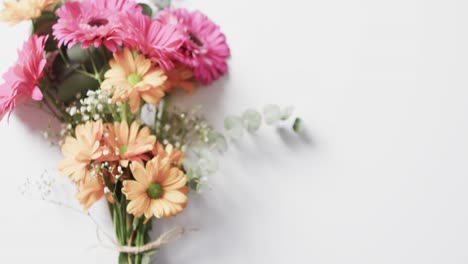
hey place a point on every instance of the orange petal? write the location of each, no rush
(137, 206)
(134, 101)
(166, 206)
(152, 96)
(122, 133)
(175, 197)
(133, 132)
(133, 189)
(156, 207)
(176, 176)
(140, 173)
(143, 65)
(152, 169)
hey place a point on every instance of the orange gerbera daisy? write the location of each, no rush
(128, 144)
(174, 154)
(159, 189)
(180, 76)
(81, 150)
(89, 191)
(17, 11)
(131, 76)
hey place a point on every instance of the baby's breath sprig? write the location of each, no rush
(183, 129)
(38, 187)
(96, 105)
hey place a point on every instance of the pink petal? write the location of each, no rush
(36, 94)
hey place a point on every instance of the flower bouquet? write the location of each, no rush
(106, 70)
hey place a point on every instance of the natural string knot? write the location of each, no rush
(168, 237)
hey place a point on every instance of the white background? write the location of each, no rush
(380, 175)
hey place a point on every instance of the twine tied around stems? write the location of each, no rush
(167, 237)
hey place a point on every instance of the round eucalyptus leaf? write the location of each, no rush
(252, 120)
(272, 114)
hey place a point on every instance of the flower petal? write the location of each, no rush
(133, 189)
(139, 173)
(175, 197)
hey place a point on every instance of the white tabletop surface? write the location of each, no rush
(381, 175)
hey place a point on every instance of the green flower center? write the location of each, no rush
(133, 79)
(155, 190)
(123, 149)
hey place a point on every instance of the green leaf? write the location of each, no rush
(297, 126)
(74, 84)
(146, 9)
(77, 55)
(195, 184)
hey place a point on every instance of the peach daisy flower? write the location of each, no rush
(128, 144)
(81, 150)
(158, 189)
(174, 154)
(17, 11)
(131, 76)
(89, 191)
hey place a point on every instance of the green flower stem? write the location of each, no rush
(117, 222)
(123, 258)
(86, 74)
(130, 231)
(139, 242)
(64, 58)
(142, 230)
(161, 114)
(120, 225)
(102, 54)
(123, 112)
(97, 74)
(123, 218)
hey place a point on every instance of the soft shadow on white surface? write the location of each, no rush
(36, 119)
(229, 208)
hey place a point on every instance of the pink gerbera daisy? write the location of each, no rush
(93, 22)
(157, 41)
(204, 49)
(22, 80)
